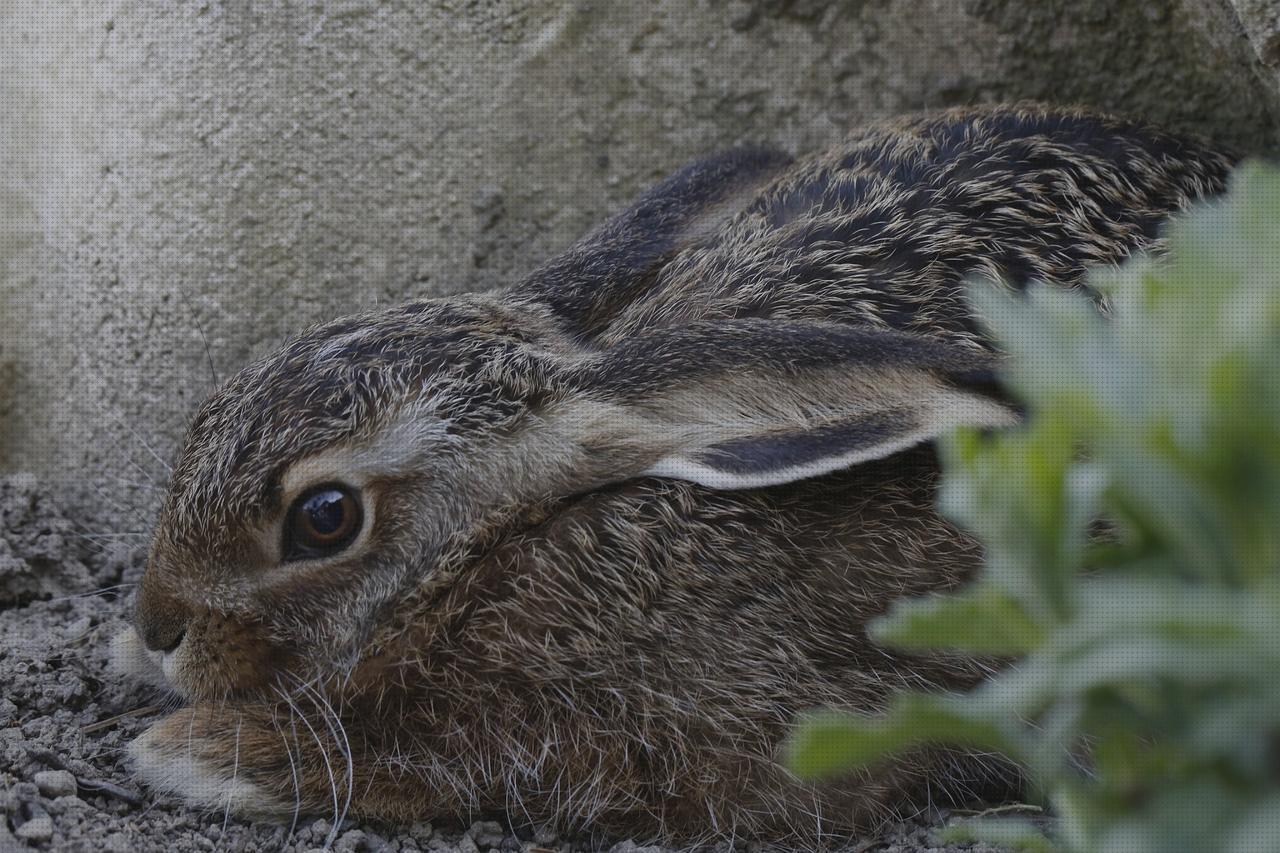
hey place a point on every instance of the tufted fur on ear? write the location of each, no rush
(736, 404)
(609, 268)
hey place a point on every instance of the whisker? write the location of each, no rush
(152, 483)
(324, 755)
(103, 540)
(146, 488)
(235, 771)
(92, 593)
(167, 467)
(111, 721)
(136, 436)
(330, 712)
(119, 507)
(208, 353)
(293, 769)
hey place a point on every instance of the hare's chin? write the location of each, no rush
(173, 769)
(128, 657)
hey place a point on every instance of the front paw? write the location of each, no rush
(211, 759)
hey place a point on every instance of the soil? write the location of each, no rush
(64, 721)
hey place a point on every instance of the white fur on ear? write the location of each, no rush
(742, 404)
(784, 455)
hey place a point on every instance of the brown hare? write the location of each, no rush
(578, 551)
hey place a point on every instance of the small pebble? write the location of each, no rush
(78, 627)
(487, 833)
(55, 783)
(629, 846)
(350, 841)
(320, 830)
(116, 842)
(358, 841)
(24, 792)
(64, 804)
(37, 829)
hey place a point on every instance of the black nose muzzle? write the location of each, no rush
(161, 635)
(164, 642)
(160, 620)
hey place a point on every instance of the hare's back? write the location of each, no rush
(883, 229)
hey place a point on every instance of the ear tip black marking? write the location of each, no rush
(708, 178)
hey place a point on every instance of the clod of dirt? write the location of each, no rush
(37, 558)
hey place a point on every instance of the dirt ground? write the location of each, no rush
(64, 721)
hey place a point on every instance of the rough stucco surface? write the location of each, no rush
(1261, 22)
(185, 183)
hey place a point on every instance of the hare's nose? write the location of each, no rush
(160, 619)
(161, 635)
(164, 642)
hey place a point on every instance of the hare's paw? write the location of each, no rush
(196, 754)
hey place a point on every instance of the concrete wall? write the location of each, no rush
(184, 183)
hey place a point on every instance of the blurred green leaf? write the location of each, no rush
(982, 620)
(830, 742)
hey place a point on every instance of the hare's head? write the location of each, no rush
(314, 480)
(322, 483)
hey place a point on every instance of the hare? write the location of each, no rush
(578, 552)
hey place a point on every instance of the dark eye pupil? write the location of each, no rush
(322, 521)
(325, 512)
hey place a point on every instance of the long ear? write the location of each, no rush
(748, 403)
(586, 285)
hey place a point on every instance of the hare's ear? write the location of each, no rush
(749, 403)
(613, 265)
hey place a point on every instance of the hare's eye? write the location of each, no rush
(322, 521)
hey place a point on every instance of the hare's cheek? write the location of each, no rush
(221, 656)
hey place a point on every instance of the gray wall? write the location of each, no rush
(184, 183)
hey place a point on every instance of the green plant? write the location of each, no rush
(1132, 533)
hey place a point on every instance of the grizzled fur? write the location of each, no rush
(626, 519)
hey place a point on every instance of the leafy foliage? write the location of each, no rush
(1132, 532)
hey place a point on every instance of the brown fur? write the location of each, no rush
(530, 624)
